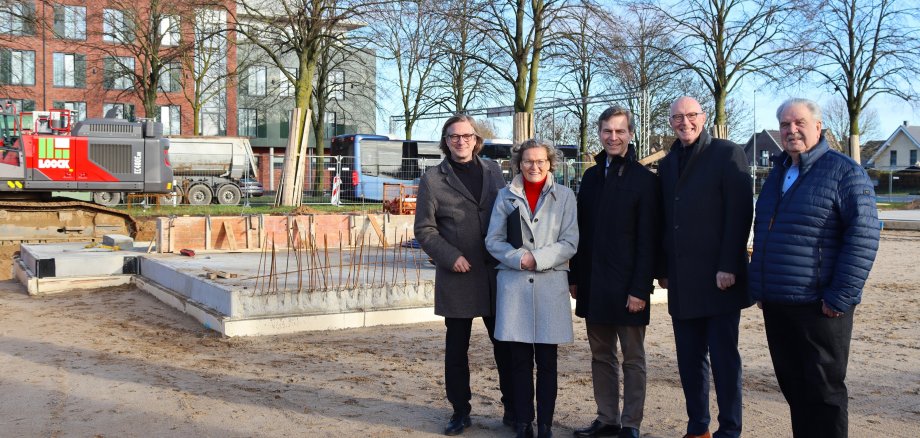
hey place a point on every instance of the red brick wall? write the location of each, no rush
(45, 44)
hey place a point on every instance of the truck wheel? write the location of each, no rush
(199, 194)
(229, 194)
(108, 199)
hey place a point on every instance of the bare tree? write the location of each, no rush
(862, 49)
(723, 41)
(836, 118)
(583, 40)
(205, 69)
(301, 29)
(408, 34)
(521, 31)
(337, 74)
(642, 71)
(137, 56)
(465, 80)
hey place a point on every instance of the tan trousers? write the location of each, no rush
(605, 373)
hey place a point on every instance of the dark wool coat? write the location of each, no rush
(707, 221)
(619, 220)
(450, 223)
(819, 240)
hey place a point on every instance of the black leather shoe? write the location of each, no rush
(523, 430)
(457, 423)
(629, 432)
(508, 419)
(545, 431)
(598, 429)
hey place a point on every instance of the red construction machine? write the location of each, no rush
(41, 152)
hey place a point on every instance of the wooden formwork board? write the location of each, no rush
(252, 233)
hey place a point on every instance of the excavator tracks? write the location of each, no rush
(55, 221)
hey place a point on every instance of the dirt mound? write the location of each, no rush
(913, 205)
(146, 229)
(303, 209)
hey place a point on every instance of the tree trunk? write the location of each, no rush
(523, 127)
(854, 148)
(854, 137)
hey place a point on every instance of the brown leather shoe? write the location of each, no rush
(705, 435)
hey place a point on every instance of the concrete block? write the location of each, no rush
(119, 240)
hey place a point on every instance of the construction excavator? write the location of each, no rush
(42, 152)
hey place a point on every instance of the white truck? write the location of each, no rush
(213, 169)
(206, 169)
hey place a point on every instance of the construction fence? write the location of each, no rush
(372, 184)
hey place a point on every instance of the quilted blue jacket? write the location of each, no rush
(818, 241)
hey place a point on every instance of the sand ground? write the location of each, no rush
(118, 363)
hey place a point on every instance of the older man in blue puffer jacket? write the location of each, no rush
(816, 232)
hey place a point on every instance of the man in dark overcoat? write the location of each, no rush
(454, 205)
(707, 202)
(611, 274)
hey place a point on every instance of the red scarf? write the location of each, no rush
(532, 190)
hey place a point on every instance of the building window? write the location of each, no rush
(17, 67)
(893, 159)
(286, 124)
(254, 81)
(70, 22)
(248, 121)
(169, 30)
(764, 158)
(116, 27)
(119, 73)
(170, 78)
(337, 85)
(124, 111)
(17, 18)
(69, 70)
(77, 109)
(913, 158)
(171, 120)
(19, 104)
(287, 87)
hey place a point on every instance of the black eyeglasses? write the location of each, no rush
(454, 138)
(690, 117)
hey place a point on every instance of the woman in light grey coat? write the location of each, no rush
(533, 232)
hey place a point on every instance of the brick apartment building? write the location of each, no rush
(85, 56)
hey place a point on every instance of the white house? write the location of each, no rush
(900, 151)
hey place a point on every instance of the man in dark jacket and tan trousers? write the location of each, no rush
(454, 205)
(708, 205)
(612, 272)
(815, 239)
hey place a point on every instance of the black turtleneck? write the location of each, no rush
(683, 156)
(470, 174)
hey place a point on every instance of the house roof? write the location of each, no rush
(763, 136)
(911, 132)
(868, 150)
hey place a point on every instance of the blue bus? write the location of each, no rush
(369, 161)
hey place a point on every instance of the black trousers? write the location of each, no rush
(523, 357)
(704, 343)
(457, 364)
(810, 353)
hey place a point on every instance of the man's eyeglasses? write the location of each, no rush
(690, 117)
(455, 138)
(535, 163)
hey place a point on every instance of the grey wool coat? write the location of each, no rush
(450, 223)
(533, 306)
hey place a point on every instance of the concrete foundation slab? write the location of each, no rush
(250, 293)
